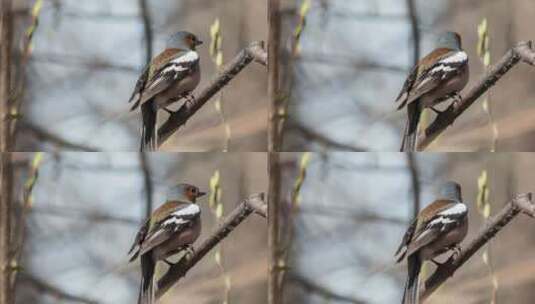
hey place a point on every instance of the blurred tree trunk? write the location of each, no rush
(6, 181)
(6, 23)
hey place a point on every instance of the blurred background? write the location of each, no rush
(353, 57)
(86, 208)
(353, 209)
(87, 55)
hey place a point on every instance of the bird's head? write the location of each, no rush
(184, 193)
(183, 40)
(451, 40)
(451, 190)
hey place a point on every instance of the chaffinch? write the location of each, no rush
(171, 228)
(169, 77)
(440, 75)
(439, 227)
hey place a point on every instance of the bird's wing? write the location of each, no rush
(176, 222)
(140, 85)
(140, 236)
(407, 85)
(443, 221)
(170, 73)
(406, 240)
(437, 73)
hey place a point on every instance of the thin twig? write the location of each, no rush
(238, 215)
(254, 52)
(522, 203)
(523, 51)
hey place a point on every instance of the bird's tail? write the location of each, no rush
(149, 131)
(146, 289)
(411, 294)
(411, 127)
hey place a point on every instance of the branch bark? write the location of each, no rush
(274, 36)
(523, 51)
(254, 52)
(6, 187)
(274, 239)
(43, 287)
(253, 204)
(6, 37)
(522, 203)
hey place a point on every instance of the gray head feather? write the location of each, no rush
(183, 40)
(451, 190)
(449, 40)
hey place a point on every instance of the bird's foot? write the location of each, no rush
(189, 251)
(438, 112)
(190, 100)
(457, 99)
(456, 251)
(438, 264)
(169, 263)
(170, 112)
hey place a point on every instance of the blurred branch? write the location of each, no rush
(91, 216)
(274, 94)
(253, 204)
(71, 61)
(43, 135)
(276, 252)
(322, 291)
(43, 287)
(147, 182)
(415, 180)
(19, 238)
(413, 17)
(347, 61)
(146, 20)
(254, 52)
(358, 216)
(6, 192)
(357, 16)
(6, 37)
(20, 86)
(408, 143)
(522, 203)
(523, 51)
(323, 140)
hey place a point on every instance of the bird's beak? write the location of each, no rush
(201, 194)
(198, 42)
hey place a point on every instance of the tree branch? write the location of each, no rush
(43, 287)
(44, 135)
(523, 51)
(322, 291)
(254, 52)
(522, 203)
(6, 187)
(253, 204)
(6, 37)
(147, 183)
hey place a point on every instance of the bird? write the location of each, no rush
(171, 228)
(170, 76)
(439, 76)
(438, 228)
